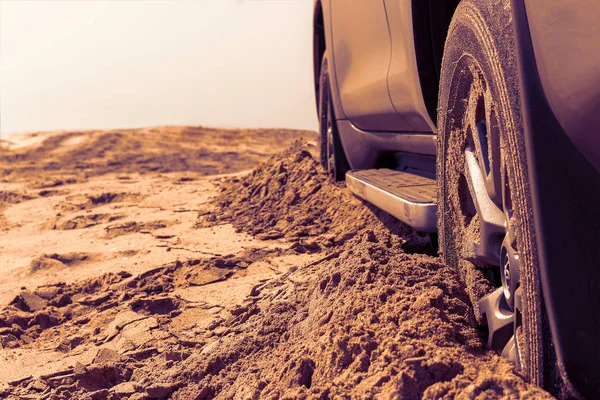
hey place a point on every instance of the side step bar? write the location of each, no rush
(408, 197)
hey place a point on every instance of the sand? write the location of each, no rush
(155, 263)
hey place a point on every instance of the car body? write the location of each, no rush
(385, 59)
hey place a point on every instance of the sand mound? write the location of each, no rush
(289, 196)
(373, 322)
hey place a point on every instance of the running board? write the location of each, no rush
(408, 197)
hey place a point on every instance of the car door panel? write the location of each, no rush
(403, 77)
(362, 52)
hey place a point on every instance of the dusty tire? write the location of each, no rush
(479, 92)
(332, 156)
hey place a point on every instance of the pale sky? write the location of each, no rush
(87, 64)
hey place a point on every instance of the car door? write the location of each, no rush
(403, 77)
(362, 54)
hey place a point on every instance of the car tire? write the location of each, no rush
(485, 223)
(332, 155)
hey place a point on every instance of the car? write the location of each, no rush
(478, 121)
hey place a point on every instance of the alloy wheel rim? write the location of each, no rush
(488, 186)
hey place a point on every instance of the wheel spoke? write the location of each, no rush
(500, 319)
(477, 126)
(491, 217)
(511, 351)
(493, 178)
(485, 134)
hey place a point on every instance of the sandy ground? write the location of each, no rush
(155, 263)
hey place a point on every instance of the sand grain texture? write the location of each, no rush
(152, 279)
